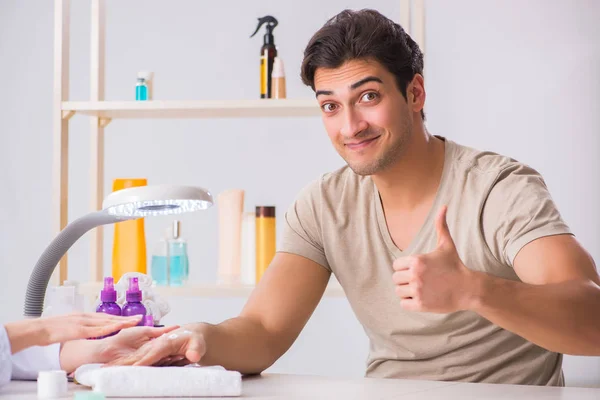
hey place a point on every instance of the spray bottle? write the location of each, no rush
(134, 304)
(108, 296)
(268, 52)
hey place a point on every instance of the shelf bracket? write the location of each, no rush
(66, 115)
(104, 121)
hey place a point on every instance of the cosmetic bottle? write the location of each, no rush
(108, 297)
(278, 79)
(230, 205)
(141, 89)
(265, 239)
(268, 52)
(134, 305)
(129, 240)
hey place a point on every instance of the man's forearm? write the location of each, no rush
(561, 317)
(240, 344)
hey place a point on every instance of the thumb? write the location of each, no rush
(195, 349)
(443, 233)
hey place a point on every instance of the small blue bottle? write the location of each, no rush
(141, 89)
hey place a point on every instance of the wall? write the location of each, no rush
(520, 78)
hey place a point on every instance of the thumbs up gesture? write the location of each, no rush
(435, 282)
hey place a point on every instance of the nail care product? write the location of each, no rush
(230, 205)
(265, 238)
(129, 243)
(108, 296)
(141, 89)
(278, 79)
(51, 384)
(268, 52)
(134, 304)
(148, 78)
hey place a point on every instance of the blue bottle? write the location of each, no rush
(141, 89)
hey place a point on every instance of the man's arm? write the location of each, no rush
(272, 319)
(556, 306)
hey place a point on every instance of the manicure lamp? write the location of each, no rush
(122, 205)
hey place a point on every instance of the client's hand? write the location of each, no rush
(179, 347)
(126, 342)
(78, 352)
(62, 328)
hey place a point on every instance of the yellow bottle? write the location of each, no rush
(129, 245)
(265, 239)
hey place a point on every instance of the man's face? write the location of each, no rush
(365, 115)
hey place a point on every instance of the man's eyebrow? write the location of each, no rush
(323, 92)
(365, 80)
(354, 86)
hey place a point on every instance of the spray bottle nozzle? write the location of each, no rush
(271, 24)
(108, 293)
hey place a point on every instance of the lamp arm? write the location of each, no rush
(40, 276)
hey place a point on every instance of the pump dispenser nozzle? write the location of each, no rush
(271, 24)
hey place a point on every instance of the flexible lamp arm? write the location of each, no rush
(40, 276)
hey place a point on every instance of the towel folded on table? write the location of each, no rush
(132, 381)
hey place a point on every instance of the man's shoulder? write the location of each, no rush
(488, 164)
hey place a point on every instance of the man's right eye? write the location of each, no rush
(328, 107)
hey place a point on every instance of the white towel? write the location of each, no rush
(191, 381)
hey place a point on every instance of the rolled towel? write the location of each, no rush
(144, 281)
(160, 381)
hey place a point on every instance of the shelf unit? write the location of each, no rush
(91, 290)
(101, 113)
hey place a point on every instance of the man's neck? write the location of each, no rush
(415, 177)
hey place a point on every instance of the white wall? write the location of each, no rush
(531, 91)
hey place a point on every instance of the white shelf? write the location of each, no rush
(92, 290)
(194, 109)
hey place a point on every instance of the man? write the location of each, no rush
(456, 262)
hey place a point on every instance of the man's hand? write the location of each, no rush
(435, 282)
(179, 347)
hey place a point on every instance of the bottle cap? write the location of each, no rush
(51, 384)
(265, 211)
(176, 229)
(108, 294)
(133, 293)
(278, 71)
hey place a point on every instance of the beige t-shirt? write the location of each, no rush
(496, 205)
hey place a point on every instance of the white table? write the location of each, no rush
(295, 387)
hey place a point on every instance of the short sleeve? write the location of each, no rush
(517, 211)
(302, 234)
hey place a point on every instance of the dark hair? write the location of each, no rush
(364, 34)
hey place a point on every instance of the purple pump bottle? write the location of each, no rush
(108, 296)
(134, 304)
